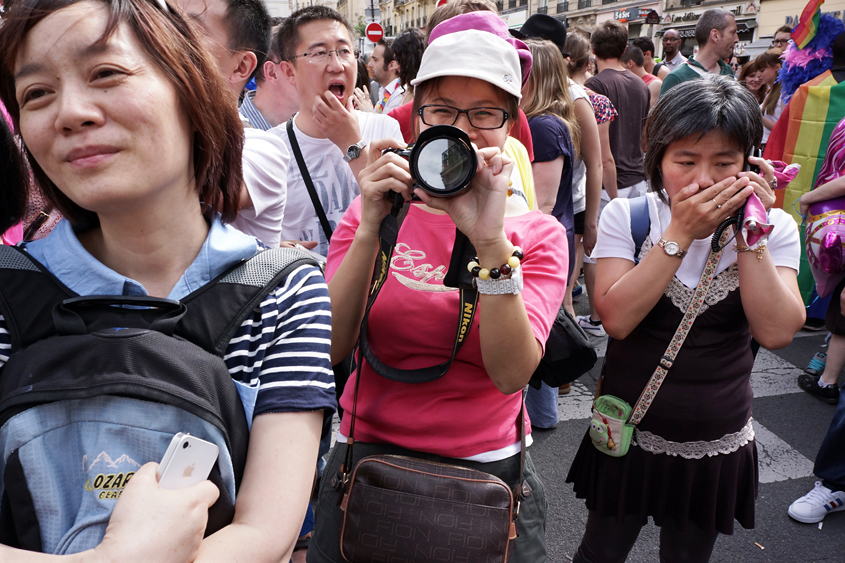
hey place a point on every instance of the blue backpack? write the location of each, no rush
(95, 387)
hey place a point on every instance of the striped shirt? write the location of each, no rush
(279, 358)
(251, 114)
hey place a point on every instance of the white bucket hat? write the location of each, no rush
(474, 54)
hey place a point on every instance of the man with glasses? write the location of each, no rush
(782, 37)
(274, 99)
(319, 59)
(238, 34)
(672, 56)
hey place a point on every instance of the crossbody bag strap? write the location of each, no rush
(318, 207)
(659, 375)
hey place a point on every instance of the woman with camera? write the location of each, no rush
(132, 134)
(682, 321)
(470, 79)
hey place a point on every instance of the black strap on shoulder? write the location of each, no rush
(640, 223)
(388, 233)
(656, 69)
(318, 207)
(29, 294)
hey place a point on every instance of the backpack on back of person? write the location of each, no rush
(95, 387)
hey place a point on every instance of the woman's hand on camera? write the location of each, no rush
(696, 213)
(479, 211)
(384, 173)
(758, 180)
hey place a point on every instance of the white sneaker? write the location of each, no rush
(817, 504)
(590, 326)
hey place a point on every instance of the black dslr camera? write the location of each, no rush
(442, 161)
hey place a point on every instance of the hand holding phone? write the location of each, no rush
(187, 461)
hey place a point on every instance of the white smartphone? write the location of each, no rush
(187, 461)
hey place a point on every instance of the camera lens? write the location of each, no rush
(443, 162)
(185, 445)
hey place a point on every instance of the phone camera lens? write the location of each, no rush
(185, 445)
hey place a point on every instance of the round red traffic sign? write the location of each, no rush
(374, 32)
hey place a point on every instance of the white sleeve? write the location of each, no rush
(265, 169)
(614, 236)
(784, 243)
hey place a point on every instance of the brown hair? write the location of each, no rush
(770, 59)
(547, 89)
(609, 40)
(424, 89)
(748, 69)
(578, 46)
(177, 48)
(456, 8)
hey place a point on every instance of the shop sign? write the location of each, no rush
(653, 18)
(693, 16)
(634, 13)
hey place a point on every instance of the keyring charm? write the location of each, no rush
(773, 183)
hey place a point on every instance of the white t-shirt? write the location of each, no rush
(265, 164)
(332, 177)
(774, 116)
(579, 169)
(615, 240)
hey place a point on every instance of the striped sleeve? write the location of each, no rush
(281, 356)
(5, 342)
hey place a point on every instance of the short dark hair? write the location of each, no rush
(408, 50)
(289, 30)
(13, 196)
(174, 45)
(387, 56)
(250, 27)
(645, 44)
(715, 18)
(633, 54)
(694, 109)
(273, 53)
(609, 40)
(783, 29)
(838, 48)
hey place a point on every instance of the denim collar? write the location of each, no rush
(65, 257)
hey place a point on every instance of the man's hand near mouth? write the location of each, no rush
(339, 124)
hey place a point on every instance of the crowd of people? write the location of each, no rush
(137, 162)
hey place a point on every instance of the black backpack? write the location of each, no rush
(95, 387)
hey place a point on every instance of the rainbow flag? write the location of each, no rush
(808, 25)
(801, 136)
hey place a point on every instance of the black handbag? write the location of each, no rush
(569, 353)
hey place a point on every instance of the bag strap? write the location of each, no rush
(29, 294)
(668, 359)
(312, 192)
(640, 224)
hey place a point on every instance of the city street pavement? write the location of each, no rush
(790, 426)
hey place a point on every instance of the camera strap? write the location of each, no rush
(315, 201)
(388, 234)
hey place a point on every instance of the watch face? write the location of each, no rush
(671, 248)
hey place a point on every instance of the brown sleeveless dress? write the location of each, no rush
(706, 395)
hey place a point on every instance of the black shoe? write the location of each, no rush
(810, 384)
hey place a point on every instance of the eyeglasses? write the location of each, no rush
(780, 42)
(480, 118)
(322, 56)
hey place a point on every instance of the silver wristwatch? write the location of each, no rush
(671, 248)
(354, 151)
(509, 286)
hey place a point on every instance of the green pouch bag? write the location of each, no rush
(609, 429)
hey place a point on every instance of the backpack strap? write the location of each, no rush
(29, 293)
(640, 224)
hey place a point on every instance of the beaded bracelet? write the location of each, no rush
(504, 270)
(759, 250)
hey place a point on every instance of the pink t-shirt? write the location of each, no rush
(413, 323)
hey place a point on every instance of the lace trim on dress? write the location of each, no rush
(680, 295)
(727, 444)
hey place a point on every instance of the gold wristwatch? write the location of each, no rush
(671, 248)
